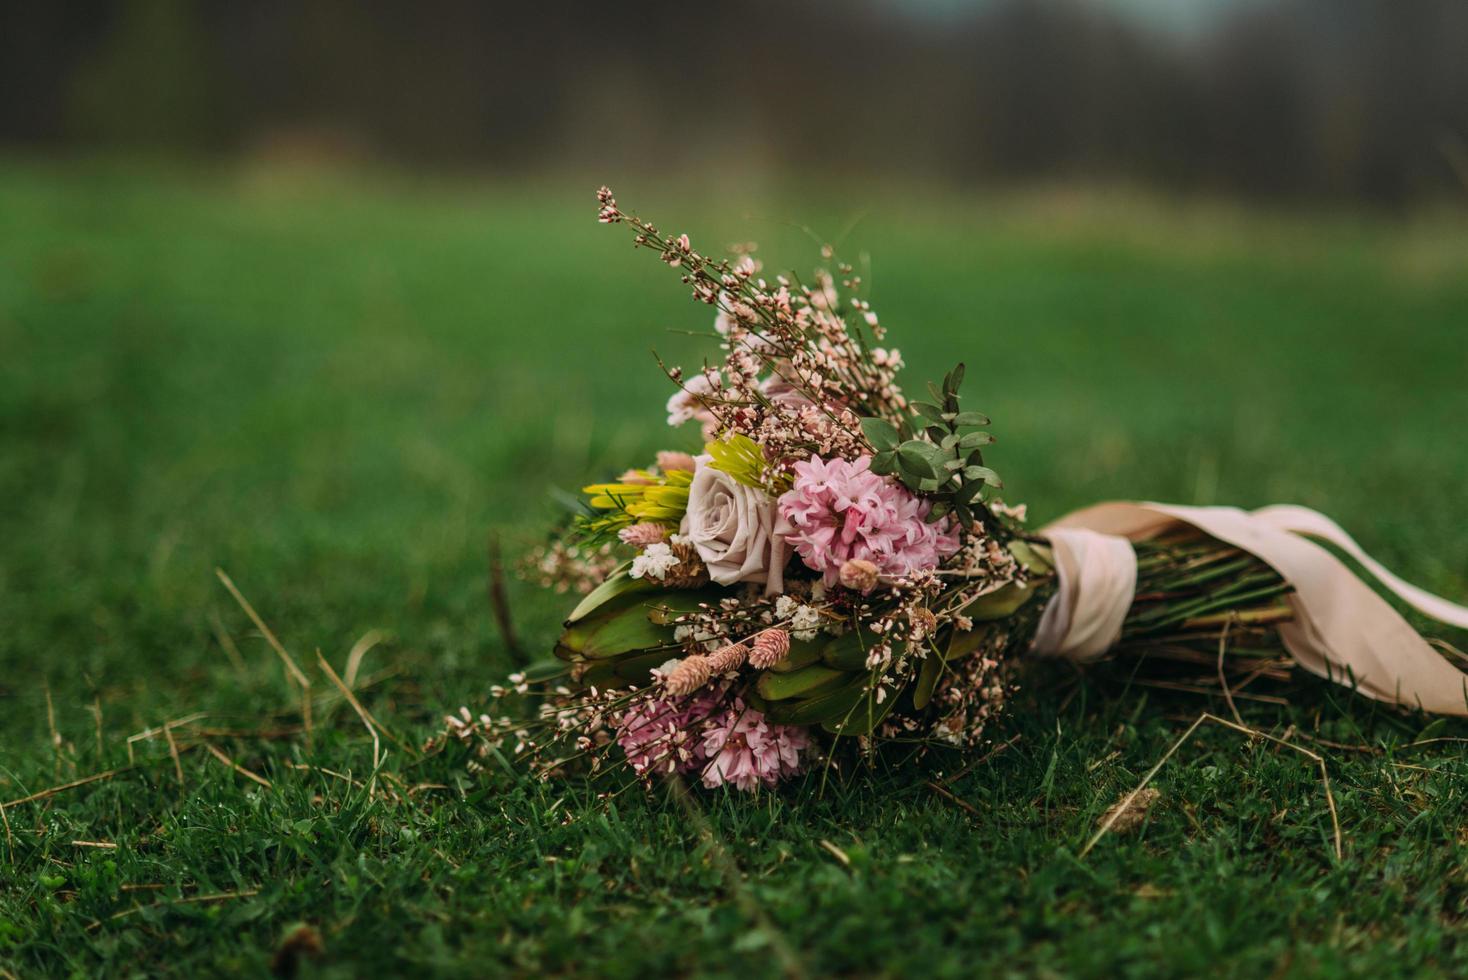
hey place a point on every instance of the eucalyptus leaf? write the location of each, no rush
(913, 460)
(956, 375)
(983, 473)
(930, 412)
(880, 433)
(971, 418)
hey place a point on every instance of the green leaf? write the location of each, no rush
(969, 492)
(915, 461)
(982, 473)
(630, 630)
(864, 718)
(671, 604)
(932, 413)
(806, 682)
(999, 604)
(928, 675)
(619, 583)
(827, 707)
(956, 376)
(972, 440)
(884, 462)
(802, 653)
(1035, 557)
(849, 650)
(880, 433)
(971, 418)
(962, 644)
(544, 670)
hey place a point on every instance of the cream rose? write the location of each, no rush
(732, 527)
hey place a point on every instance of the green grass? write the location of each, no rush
(337, 389)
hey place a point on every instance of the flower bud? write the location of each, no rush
(642, 535)
(770, 647)
(669, 461)
(728, 658)
(690, 674)
(859, 574)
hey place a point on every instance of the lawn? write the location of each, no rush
(338, 388)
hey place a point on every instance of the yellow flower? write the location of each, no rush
(742, 458)
(662, 500)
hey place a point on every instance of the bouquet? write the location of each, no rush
(835, 571)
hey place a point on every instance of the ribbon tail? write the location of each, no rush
(1303, 520)
(1342, 629)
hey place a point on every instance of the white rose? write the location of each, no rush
(732, 527)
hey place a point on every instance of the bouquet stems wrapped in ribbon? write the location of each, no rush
(833, 570)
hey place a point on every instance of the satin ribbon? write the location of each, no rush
(1342, 630)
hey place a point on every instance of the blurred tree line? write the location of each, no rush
(1334, 99)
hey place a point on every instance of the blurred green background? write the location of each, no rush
(314, 293)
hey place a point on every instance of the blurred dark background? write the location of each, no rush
(1311, 100)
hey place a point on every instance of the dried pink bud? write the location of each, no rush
(690, 674)
(669, 461)
(642, 535)
(770, 647)
(608, 213)
(859, 574)
(728, 658)
(923, 622)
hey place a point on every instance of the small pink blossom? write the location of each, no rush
(692, 400)
(666, 735)
(744, 749)
(839, 510)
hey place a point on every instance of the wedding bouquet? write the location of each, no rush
(834, 571)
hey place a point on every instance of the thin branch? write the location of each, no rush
(499, 600)
(226, 643)
(45, 793)
(359, 650)
(1125, 804)
(290, 664)
(173, 751)
(1228, 695)
(953, 798)
(215, 751)
(217, 897)
(363, 715)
